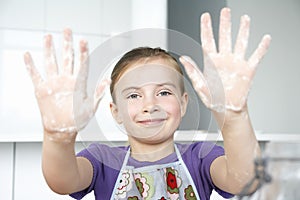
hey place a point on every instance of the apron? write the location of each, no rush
(156, 182)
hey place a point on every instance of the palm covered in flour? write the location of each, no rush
(62, 96)
(227, 75)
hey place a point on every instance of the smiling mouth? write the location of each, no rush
(151, 122)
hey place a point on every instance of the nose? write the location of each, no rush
(150, 105)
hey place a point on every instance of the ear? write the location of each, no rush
(115, 113)
(184, 103)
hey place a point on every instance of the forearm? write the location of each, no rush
(241, 146)
(55, 92)
(59, 163)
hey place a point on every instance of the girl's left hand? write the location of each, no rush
(227, 75)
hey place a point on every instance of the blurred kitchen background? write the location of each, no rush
(273, 101)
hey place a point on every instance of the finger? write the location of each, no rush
(242, 38)
(213, 77)
(207, 37)
(100, 91)
(225, 31)
(83, 70)
(50, 58)
(68, 52)
(196, 77)
(33, 72)
(259, 52)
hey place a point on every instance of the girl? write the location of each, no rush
(149, 100)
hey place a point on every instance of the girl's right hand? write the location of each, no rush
(62, 96)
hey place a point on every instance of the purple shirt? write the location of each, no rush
(107, 162)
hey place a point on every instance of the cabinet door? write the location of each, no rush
(29, 180)
(6, 170)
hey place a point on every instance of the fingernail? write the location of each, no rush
(83, 45)
(267, 36)
(189, 60)
(246, 17)
(48, 41)
(205, 16)
(26, 57)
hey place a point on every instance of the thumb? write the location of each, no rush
(100, 91)
(33, 72)
(193, 73)
(197, 78)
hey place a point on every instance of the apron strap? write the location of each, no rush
(187, 172)
(120, 173)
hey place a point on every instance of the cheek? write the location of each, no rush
(172, 106)
(130, 109)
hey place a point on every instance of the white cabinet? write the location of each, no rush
(29, 182)
(6, 170)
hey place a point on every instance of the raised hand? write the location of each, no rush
(227, 75)
(62, 95)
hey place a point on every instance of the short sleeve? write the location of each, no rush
(106, 162)
(86, 154)
(212, 152)
(198, 158)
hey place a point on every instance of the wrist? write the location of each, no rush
(230, 118)
(60, 137)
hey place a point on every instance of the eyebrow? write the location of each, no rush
(159, 84)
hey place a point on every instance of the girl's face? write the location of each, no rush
(149, 101)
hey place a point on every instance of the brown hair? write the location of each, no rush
(138, 54)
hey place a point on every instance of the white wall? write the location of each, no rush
(275, 96)
(22, 27)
